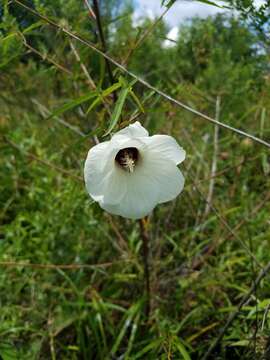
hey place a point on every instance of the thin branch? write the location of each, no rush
(87, 75)
(122, 242)
(46, 112)
(214, 162)
(83, 67)
(14, 264)
(143, 82)
(171, 40)
(233, 315)
(103, 43)
(91, 12)
(44, 57)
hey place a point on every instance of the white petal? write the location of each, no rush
(167, 147)
(115, 186)
(140, 198)
(171, 183)
(99, 171)
(97, 154)
(105, 181)
(137, 143)
(133, 130)
(155, 180)
(122, 142)
(165, 175)
(94, 168)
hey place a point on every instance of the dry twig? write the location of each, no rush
(14, 264)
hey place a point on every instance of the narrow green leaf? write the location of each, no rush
(265, 164)
(132, 336)
(33, 26)
(168, 4)
(103, 94)
(101, 330)
(94, 103)
(240, 343)
(136, 99)
(180, 347)
(145, 99)
(127, 322)
(153, 345)
(117, 110)
(212, 3)
(111, 89)
(124, 82)
(70, 105)
(9, 36)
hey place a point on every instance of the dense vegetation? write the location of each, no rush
(56, 98)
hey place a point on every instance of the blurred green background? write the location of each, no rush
(56, 97)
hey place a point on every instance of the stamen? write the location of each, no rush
(129, 163)
(127, 158)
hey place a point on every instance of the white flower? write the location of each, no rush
(133, 172)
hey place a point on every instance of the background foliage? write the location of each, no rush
(55, 97)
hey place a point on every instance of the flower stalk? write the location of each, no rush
(144, 223)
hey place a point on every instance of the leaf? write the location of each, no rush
(94, 103)
(111, 89)
(137, 101)
(7, 352)
(241, 343)
(117, 110)
(202, 331)
(124, 82)
(33, 26)
(103, 94)
(132, 336)
(168, 4)
(265, 164)
(153, 345)
(210, 3)
(9, 36)
(72, 104)
(127, 323)
(181, 348)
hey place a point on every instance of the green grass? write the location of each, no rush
(200, 270)
(98, 312)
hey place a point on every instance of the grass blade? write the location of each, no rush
(71, 104)
(103, 94)
(153, 345)
(117, 110)
(181, 348)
